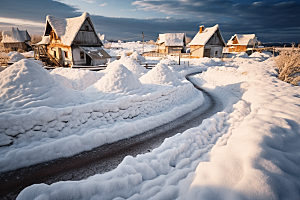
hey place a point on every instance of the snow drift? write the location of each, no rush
(41, 119)
(160, 75)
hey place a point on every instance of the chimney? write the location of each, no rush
(201, 28)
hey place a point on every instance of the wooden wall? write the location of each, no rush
(237, 48)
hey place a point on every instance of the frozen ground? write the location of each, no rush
(250, 150)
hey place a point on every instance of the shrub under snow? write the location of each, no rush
(288, 63)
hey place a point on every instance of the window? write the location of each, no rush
(216, 52)
(86, 28)
(82, 55)
(66, 54)
(54, 53)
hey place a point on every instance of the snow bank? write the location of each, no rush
(44, 120)
(76, 79)
(130, 64)
(26, 84)
(29, 54)
(15, 56)
(259, 159)
(118, 79)
(250, 150)
(261, 55)
(161, 75)
(242, 55)
(136, 56)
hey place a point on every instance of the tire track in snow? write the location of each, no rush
(106, 157)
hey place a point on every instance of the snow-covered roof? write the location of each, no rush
(171, 39)
(66, 29)
(207, 33)
(45, 40)
(15, 35)
(243, 39)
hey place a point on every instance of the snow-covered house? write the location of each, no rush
(171, 43)
(15, 40)
(208, 42)
(242, 43)
(71, 41)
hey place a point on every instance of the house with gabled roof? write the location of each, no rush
(171, 43)
(16, 40)
(208, 42)
(242, 43)
(71, 41)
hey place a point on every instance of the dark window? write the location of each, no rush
(66, 54)
(81, 55)
(54, 54)
(86, 28)
(216, 52)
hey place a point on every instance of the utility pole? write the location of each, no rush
(143, 41)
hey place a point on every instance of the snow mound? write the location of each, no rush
(26, 84)
(118, 79)
(136, 56)
(242, 55)
(132, 65)
(161, 75)
(15, 56)
(168, 62)
(78, 79)
(261, 55)
(29, 54)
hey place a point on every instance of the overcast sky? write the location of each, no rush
(271, 21)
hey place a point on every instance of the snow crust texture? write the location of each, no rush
(250, 150)
(41, 119)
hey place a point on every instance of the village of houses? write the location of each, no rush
(71, 102)
(74, 42)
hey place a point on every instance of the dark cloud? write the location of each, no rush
(36, 10)
(272, 22)
(263, 17)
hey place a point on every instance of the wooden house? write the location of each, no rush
(71, 41)
(242, 43)
(171, 43)
(16, 40)
(208, 42)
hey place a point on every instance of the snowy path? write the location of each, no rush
(104, 158)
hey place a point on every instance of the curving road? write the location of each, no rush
(106, 157)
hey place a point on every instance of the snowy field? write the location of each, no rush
(250, 150)
(128, 47)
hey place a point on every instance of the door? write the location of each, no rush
(206, 53)
(88, 60)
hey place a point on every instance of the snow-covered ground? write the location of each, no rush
(250, 150)
(45, 115)
(128, 47)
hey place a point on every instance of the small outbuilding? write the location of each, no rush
(171, 43)
(71, 41)
(208, 42)
(16, 40)
(242, 43)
